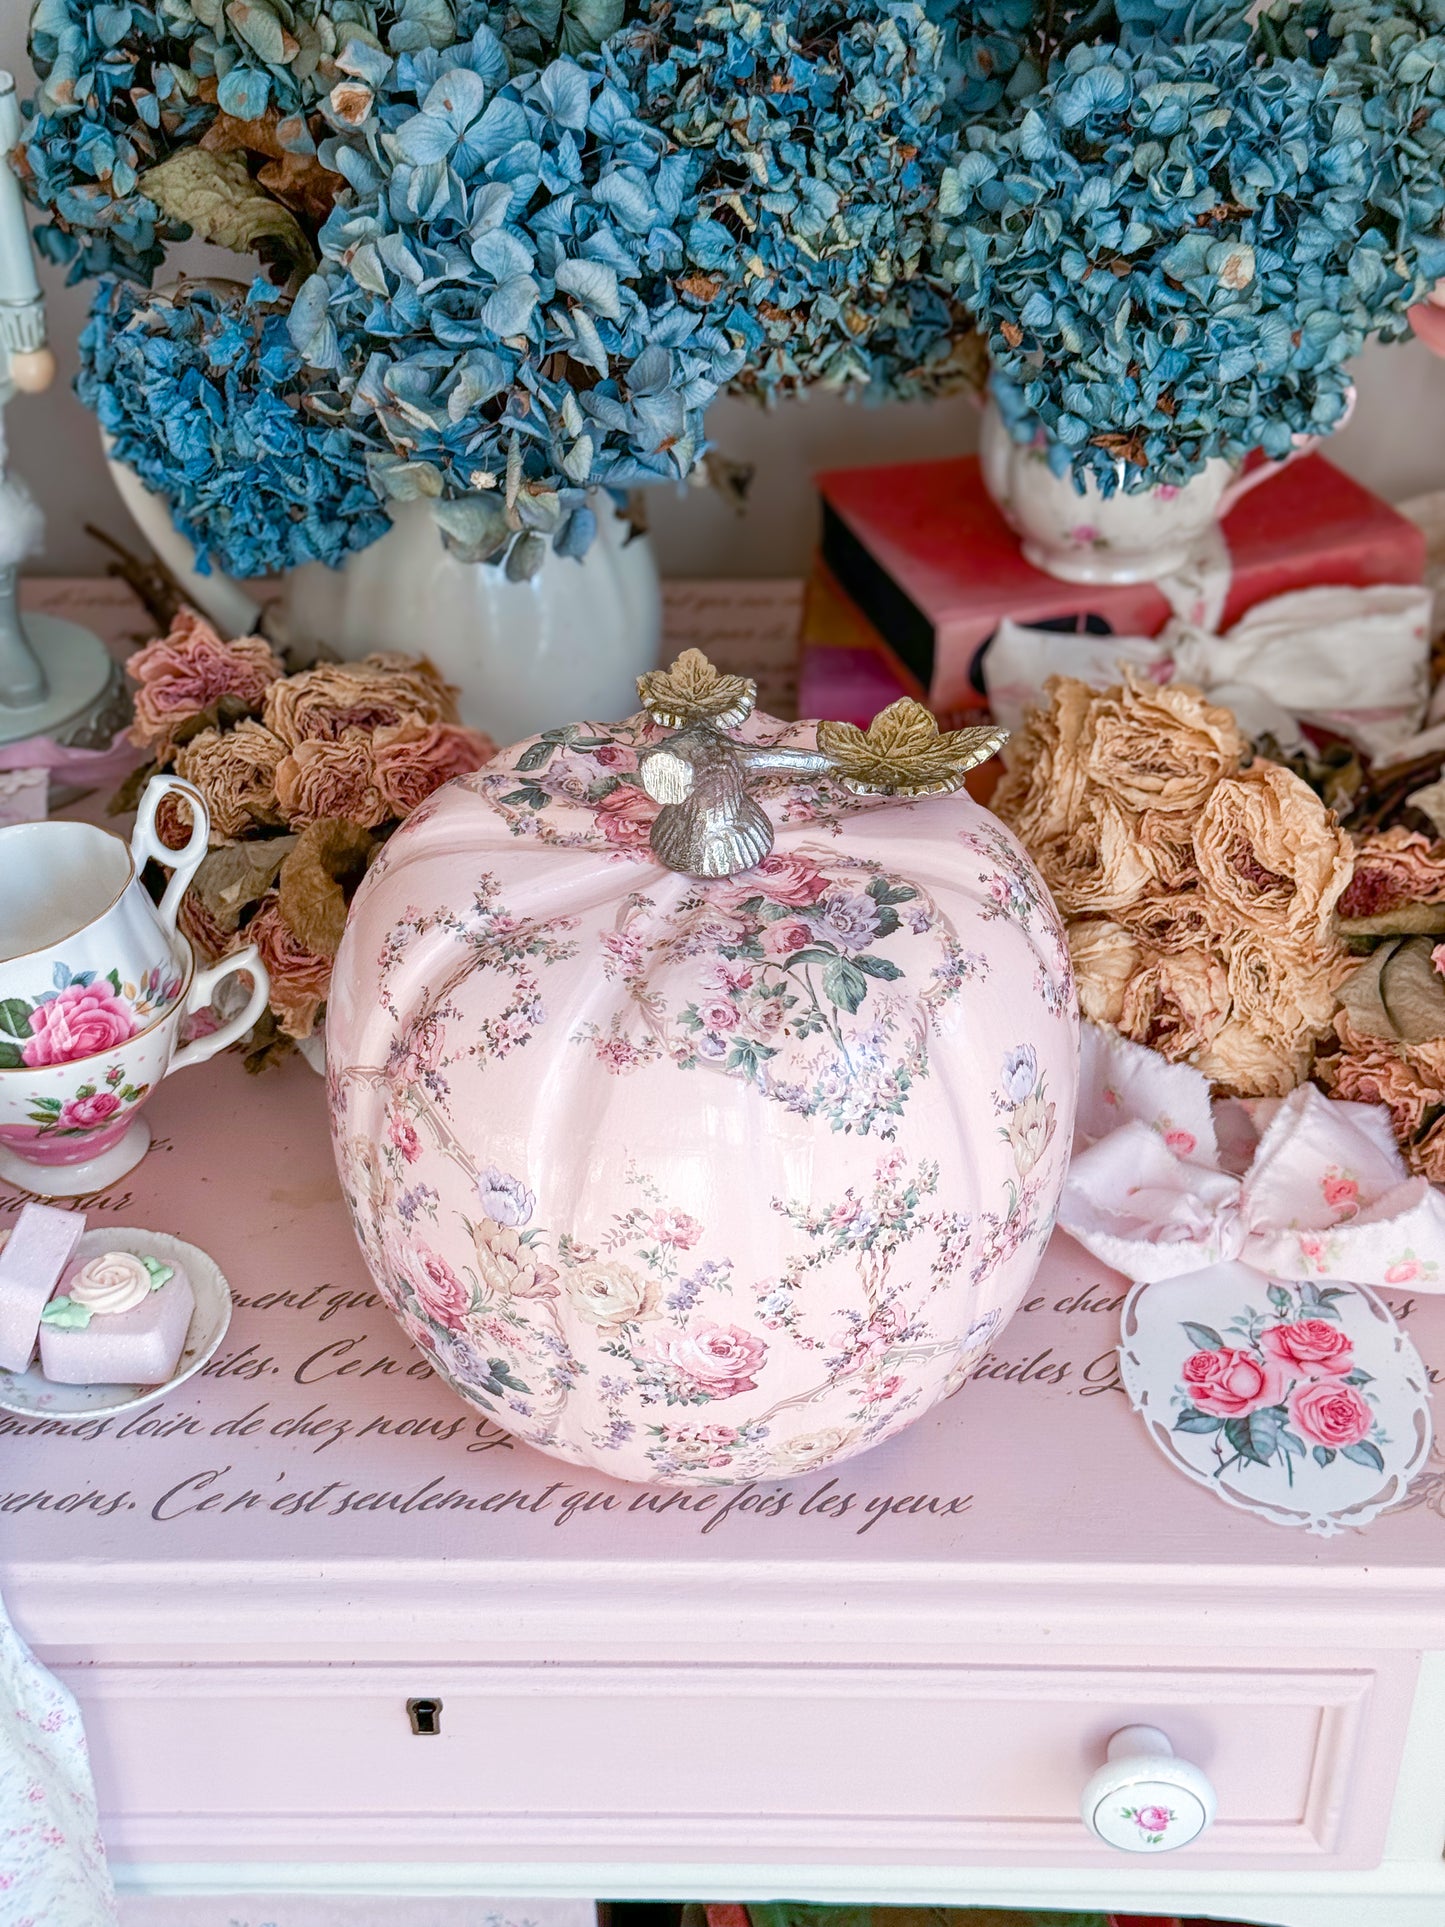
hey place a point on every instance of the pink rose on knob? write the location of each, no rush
(1330, 1414)
(80, 1021)
(88, 1113)
(1312, 1346)
(1228, 1383)
(1154, 1819)
(717, 1361)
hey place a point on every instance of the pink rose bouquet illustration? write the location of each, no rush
(1278, 1385)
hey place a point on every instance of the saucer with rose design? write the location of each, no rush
(32, 1394)
(1302, 1401)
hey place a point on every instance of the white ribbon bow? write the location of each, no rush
(1353, 661)
(1299, 1187)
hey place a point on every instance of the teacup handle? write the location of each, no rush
(146, 844)
(1266, 472)
(203, 987)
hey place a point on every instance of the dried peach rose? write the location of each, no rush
(186, 670)
(1175, 1003)
(1105, 956)
(299, 978)
(1392, 868)
(1097, 866)
(1042, 791)
(1243, 1061)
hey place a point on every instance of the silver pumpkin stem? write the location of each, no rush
(711, 825)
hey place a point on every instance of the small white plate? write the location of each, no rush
(32, 1393)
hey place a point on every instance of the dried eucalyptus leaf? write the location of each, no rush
(1411, 919)
(1431, 802)
(237, 874)
(128, 796)
(1397, 993)
(216, 197)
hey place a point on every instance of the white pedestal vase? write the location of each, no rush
(570, 642)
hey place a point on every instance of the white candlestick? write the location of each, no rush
(18, 279)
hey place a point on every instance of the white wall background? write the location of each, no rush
(1396, 444)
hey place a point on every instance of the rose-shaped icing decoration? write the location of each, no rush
(115, 1282)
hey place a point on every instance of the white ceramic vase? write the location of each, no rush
(570, 642)
(1123, 537)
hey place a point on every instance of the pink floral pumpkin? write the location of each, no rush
(700, 1181)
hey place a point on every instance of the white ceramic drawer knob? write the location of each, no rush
(1144, 1799)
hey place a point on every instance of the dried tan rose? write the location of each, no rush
(318, 779)
(1169, 920)
(1243, 1061)
(1160, 747)
(1040, 795)
(235, 770)
(299, 979)
(1271, 857)
(1168, 845)
(323, 703)
(1394, 867)
(1105, 955)
(1175, 1003)
(1097, 867)
(1282, 990)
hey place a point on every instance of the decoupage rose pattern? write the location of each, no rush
(1277, 1385)
(699, 1182)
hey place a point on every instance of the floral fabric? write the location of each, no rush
(699, 1181)
(52, 1863)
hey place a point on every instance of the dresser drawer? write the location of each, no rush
(931, 1764)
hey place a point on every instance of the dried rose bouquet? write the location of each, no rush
(305, 777)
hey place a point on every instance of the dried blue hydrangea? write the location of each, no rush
(127, 84)
(1176, 251)
(494, 305)
(202, 394)
(816, 132)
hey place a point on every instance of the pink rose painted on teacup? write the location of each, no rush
(89, 1113)
(80, 1021)
(710, 1361)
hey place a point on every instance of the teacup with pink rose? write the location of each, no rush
(86, 958)
(70, 1116)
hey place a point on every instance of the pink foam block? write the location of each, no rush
(35, 1254)
(139, 1347)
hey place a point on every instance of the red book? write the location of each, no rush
(931, 568)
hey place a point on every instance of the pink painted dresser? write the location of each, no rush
(890, 1682)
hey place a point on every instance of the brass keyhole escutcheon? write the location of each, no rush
(426, 1718)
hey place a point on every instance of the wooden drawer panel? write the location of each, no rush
(745, 1763)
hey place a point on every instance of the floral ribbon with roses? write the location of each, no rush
(1263, 1362)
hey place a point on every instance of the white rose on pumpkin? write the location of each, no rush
(506, 1267)
(812, 1449)
(608, 1294)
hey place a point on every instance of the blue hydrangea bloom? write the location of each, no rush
(818, 139)
(1176, 251)
(203, 395)
(494, 306)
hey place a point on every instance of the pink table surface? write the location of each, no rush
(318, 1443)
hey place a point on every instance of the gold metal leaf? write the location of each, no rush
(904, 753)
(692, 691)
